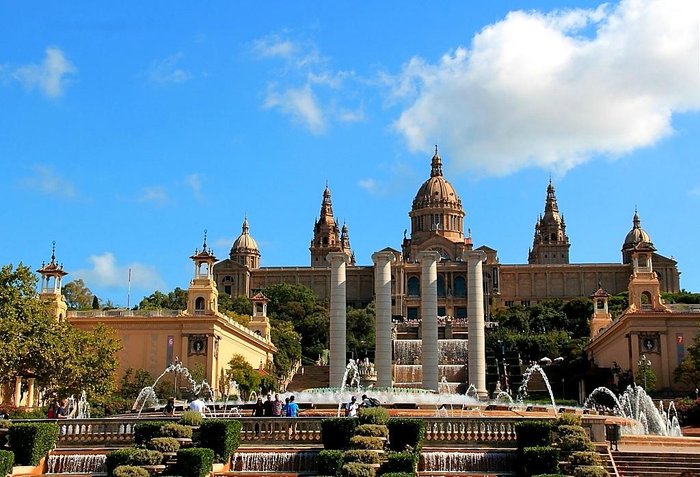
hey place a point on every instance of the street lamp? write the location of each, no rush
(644, 364)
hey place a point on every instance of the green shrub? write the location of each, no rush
(533, 434)
(590, 471)
(337, 431)
(163, 444)
(194, 462)
(32, 441)
(361, 456)
(540, 460)
(7, 460)
(118, 458)
(145, 431)
(398, 462)
(568, 419)
(355, 469)
(363, 442)
(330, 462)
(571, 431)
(585, 458)
(575, 443)
(406, 434)
(373, 415)
(222, 436)
(177, 431)
(130, 471)
(5, 423)
(372, 430)
(191, 418)
(146, 457)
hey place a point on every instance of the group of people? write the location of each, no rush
(276, 408)
(353, 406)
(57, 409)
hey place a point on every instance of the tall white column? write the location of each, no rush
(338, 260)
(429, 327)
(382, 290)
(475, 319)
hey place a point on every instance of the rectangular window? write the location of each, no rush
(525, 303)
(441, 311)
(509, 303)
(412, 313)
(460, 312)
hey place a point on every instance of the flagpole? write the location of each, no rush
(128, 293)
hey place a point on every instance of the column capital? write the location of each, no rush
(478, 255)
(337, 257)
(383, 256)
(429, 255)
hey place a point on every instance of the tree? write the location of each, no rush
(174, 300)
(360, 330)
(95, 303)
(239, 370)
(78, 296)
(688, 372)
(288, 344)
(133, 381)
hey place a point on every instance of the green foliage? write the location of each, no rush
(645, 377)
(540, 460)
(400, 462)
(32, 441)
(129, 471)
(147, 430)
(533, 434)
(146, 457)
(242, 305)
(363, 442)
(372, 430)
(682, 297)
(688, 412)
(7, 460)
(585, 458)
(373, 415)
(571, 431)
(174, 300)
(5, 424)
(688, 371)
(567, 419)
(222, 436)
(242, 372)
(355, 469)
(78, 296)
(191, 418)
(329, 462)
(163, 444)
(590, 471)
(360, 330)
(177, 431)
(362, 456)
(117, 458)
(195, 462)
(575, 443)
(133, 381)
(406, 433)
(336, 432)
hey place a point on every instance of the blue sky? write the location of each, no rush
(126, 131)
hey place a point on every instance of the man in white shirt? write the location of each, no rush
(198, 406)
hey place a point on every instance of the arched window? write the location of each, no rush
(199, 305)
(554, 236)
(646, 300)
(460, 287)
(413, 286)
(440, 285)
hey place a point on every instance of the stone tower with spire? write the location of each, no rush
(202, 295)
(327, 236)
(551, 244)
(51, 276)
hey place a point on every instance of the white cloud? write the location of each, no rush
(105, 272)
(272, 46)
(49, 76)
(155, 194)
(167, 70)
(47, 181)
(368, 184)
(356, 116)
(300, 104)
(553, 90)
(194, 182)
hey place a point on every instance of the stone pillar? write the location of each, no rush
(428, 291)
(382, 290)
(475, 320)
(18, 391)
(31, 399)
(338, 260)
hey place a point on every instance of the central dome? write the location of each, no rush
(245, 243)
(436, 191)
(637, 234)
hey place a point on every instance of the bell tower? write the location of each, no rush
(327, 237)
(644, 287)
(259, 323)
(601, 316)
(51, 277)
(202, 295)
(550, 244)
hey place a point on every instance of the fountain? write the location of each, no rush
(636, 405)
(76, 464)
(353, 374)
(522, 391)
(79, 408)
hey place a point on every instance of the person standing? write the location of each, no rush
(277, 406)
(292, 408)
(169, 409)
(268, 407)
(258, 411)
(351, 407)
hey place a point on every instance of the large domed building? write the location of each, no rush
(437, 223)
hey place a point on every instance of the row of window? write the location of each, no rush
(459, 312)
(458, 288)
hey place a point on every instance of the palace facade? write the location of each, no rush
(437, 224)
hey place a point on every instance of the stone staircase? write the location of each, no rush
(607, 460)
(656, 464)
(312, 377)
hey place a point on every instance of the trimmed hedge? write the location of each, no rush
(191, 418)
(146, 457)
(572, 431)
(163, 444)
(372, 430)
(194, 462)
(568, 419)
(590, 471)
(5, 423)
(145, 431)
(533, 434)
(540, 460)
(363, 442)
(355, 469)
(373, 415)
(576, 443)
(400, 462)
(7, 460)
(330, 462)
(361, 456)
(32, 441)
(130, 471)
(177, 431)
(405, 433)
(220, 435)
(118, 458)
(585, 458)
(336, 432)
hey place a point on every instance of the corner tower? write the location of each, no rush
(551, 244)
(327, 237)
(202, 295)
(51, 276)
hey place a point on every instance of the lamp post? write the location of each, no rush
(644, 364)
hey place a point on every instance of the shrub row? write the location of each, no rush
(32, 441)
(540, 460)
(194, 462)
(131, 457)
(400, 462)
(7, 460)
